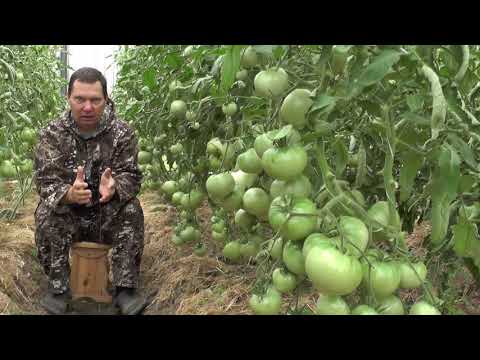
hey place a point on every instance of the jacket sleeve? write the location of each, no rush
(127, 175)
(50, 174)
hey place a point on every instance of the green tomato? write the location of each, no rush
(231, 251)
(243, 180)
(230, 109)
(244, 220)
(262, 143)
(331, 305)
(178, 108)
(28, 135)
(298, 187)
(423, 308)
(332, 272)
(364, 310)
(354, 232)
(169, 187)
(293, 258)
(200, 250)
(412, 278)
(220, 185)
(192, 200)
(271, 83)
(7, 170)
(391, 305)
(380, 212)
(177, 240)
(256, 202)
(266, 304)
(177, 197)
(219, 236)
(176, 148)
(249, 250)
(295, 107)
(144, 157)
(219, 226)
(298, 227)
(248, 58)
(241, 75)
(285, 163)
(174, 85)
(316, 240)
(188, 234)
(249, 162)
(233, 201)
(383, 278)
(283, 281)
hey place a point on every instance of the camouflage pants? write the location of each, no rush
(56, 232)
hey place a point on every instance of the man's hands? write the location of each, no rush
(107, 186)
(79, 193)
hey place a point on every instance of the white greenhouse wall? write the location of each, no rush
(96, 56)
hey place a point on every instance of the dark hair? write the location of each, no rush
(88, 75)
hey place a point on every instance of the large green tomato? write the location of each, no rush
(178, 108)
(383, 278)
(284, 281)
(271, 83)
(355, 232)
(244, 220)
(262, 143)
(295, 107)
(177, 240)
(285, 163)
(298, 227)
(298, 187)
(364, 310)
(220, 185)
(188, 234)
(144, 157)
(256, 202)
(244, 180)
(293, 258)
(192, 200)
(169, 187)
(248, 58)
(268, 304)
(219, 226)
(249, 162)
(233, 201)
(412, 278)
(331, 305)
(231, 251)
(423, 308)
(249, 250)
(219, 236)
(28, 135)
(332, 272)
(391, 305)
(177, 197)
(316, 240)
(230, 109)
(380, 212)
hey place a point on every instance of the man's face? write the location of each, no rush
(87, 104)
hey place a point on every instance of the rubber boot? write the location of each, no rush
(129, 301)
(56, 304)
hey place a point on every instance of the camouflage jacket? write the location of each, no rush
(61, 149)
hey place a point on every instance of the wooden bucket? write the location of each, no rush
(89, 276)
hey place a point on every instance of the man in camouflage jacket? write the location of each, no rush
(87, 176)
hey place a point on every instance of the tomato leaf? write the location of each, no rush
(173, 60)
(411, 162)
(341, 156)
(322, 101)
(465, 151)
(283, 132)
(465, 238)
(415, 102)
(230, 66)
(466, 183)
(149, 78)
(375, 71)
